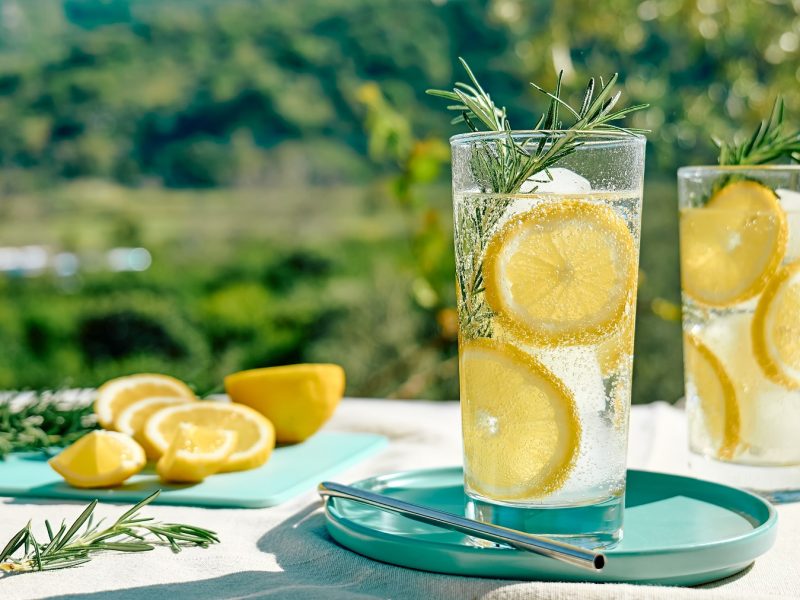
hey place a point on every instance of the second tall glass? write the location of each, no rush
(547, 292)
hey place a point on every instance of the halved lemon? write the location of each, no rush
(131, 420)
(521, 428)
(716, 395)
(563, 273)
(732, 246)
(776, 328)
(99, 459)
(255, 434)
(195, 453)
(297, 399)
(117, 394)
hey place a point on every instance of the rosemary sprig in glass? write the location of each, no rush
(502, 164)
(32, 421)
(770, 141)
(69, 547)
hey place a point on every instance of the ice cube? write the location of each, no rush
(790, 201)
(559, 181)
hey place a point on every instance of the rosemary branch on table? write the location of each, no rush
(32, 421)
(504, 163)
(69, 547)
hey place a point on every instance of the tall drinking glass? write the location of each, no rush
(740, 279)
(546, 281)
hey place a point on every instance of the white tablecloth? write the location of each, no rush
(285, 552)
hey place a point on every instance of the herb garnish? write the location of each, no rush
(68, 547)
(768, 142)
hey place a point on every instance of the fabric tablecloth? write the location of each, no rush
(285, 551)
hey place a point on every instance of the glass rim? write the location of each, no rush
(688, 171)
(589, 137)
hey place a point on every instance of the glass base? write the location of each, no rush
(594, 526)
(777, 484)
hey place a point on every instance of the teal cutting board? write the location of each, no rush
(290, 471)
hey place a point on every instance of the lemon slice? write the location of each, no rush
(716, 395)
(99, 459)
(131, 420)
(776, 328)
(255, 434)
(616, 350)
(117, 394)
(521, 428)
(297, 399)
(195, 453)
(733, 245)
(563, 273)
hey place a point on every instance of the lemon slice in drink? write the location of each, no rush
(733, 245)
(521, 427)
(99, 459)
(776, 328)
(255, 434)
(117, 394)
(195, 453)
(563, 273)
(716, 395)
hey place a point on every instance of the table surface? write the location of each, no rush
(285, 551)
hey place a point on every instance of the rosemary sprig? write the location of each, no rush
(770, 141)
(68, 547)
(503, 165)
(39, 421)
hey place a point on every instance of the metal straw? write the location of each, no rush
(543, 546)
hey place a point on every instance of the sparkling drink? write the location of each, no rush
(740, 273)
(547, 290)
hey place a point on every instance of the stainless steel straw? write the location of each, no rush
(543, 546)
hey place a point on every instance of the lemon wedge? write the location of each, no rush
(733, 245)
(117, 394)
(99, 459)
(716, 396)
(195, 453)
(131, 420)
(776, 328)
(563, 273)
(255, 434)
(297, 399)
(521, 427)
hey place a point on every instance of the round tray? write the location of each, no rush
(678, 531)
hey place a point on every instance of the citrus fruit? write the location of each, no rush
(132, 419)
(99, 459)
(562, 273)
(117, 394)
(521, 427)
(776, 328)
(733, 245)
(297, 399)
(255, 434)
(716, 396)
(195, 453)
(617, 348)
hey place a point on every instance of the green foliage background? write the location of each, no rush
(285, 169)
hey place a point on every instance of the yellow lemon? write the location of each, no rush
(521, 427)
(99, 459)
(716, 395)
(563, 273)
(132, 419)
(616, 350)
(195, 453)
(116, 395)
(733, 245)
(776, 328)
(255, 434)
(297, 399)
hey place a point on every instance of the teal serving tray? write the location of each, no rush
(678, 531)
(291, 470)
